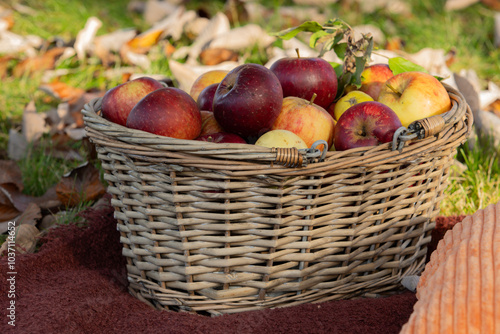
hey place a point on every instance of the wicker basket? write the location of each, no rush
(223, 228)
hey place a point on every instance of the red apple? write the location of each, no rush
(415, 95)
(119, 101)
(373, 78)
(206, 98)
(222, 137)
(248, 101)
(306, 119)
(302, 77)
(167, 112)
(365, 124)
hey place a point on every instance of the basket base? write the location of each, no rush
(204, 306)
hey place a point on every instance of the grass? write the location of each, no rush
(479, 184)
(41, 170)
(468, 31)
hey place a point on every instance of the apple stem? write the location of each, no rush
(298, 53)
(313, 98)
(393, 89)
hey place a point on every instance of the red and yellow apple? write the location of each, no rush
(306, 119)
(348, 100)
(281, 138)
(373, 78)
(414, 95)
(248, 100)
(209, 123)
(167, 112)
(365, 124)
(204, 80)
(118, 101)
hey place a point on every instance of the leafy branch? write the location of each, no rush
(337, 36)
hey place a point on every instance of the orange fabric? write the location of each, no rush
(460, 285)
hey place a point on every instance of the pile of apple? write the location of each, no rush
(291, 104)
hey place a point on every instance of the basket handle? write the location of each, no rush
(294, 157)
(431, 126)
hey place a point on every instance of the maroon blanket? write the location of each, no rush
(77, 283)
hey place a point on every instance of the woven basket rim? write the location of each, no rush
(146, 141)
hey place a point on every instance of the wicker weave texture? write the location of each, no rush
(222, 228)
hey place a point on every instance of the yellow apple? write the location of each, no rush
(204, 80)
(306, 119)
(348, 100)
(414, 96)
(280, 138)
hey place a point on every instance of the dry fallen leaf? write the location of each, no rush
(214, 56)
(494, 108)
(195, 27)
(58, 118)
(489, 96)
(173, 25)
(85, 37)
(105, 46)
(219, 24)
(63, 91)
(254, 35)
(38, 63)
(155, 10)
(33, 123)
(17, 145)
(458, 4)
(7, 211)
(10, 173)
(80, 185)
(21, 201)
(30, 216)
(61, 146)
(11, 43)
(25, 238)
(143, 42)
(168, 49)
(6, 19)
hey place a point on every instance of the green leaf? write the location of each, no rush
(400, 65)
(340, 49)
(327, 46)
(317, 36)
(310, 26)
(344, 81)
(360, 66)
(338, 68)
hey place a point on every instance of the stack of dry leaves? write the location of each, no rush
(222, 41)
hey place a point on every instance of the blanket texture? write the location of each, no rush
(77, 283)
